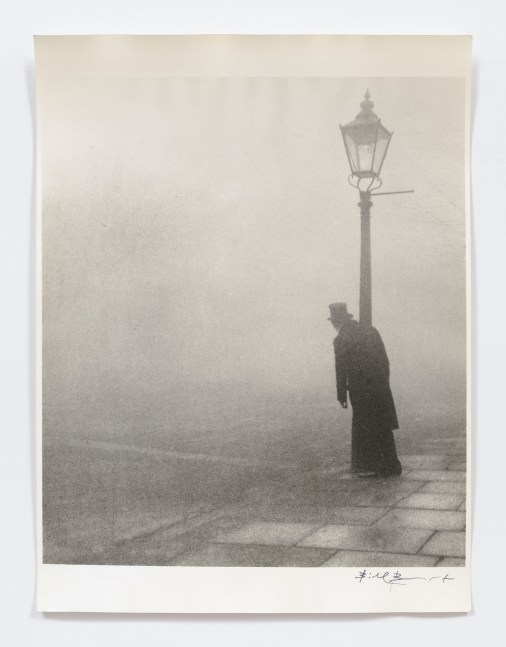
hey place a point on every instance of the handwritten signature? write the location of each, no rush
(397, 579)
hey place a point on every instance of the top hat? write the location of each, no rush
(339, 312)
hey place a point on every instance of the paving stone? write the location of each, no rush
(360, 492)
(460, 466)
(430, 519)
(253, 555)
(456, 457)
(166, 544)
(436, 475)
(354, 515)
(312, 514)
(416, 457)
(368, 558)
(463, 506)
(322, 484)
(444, 487)
(130, 525)
(446, 544)
(391, 540)
(443, 463)
(422, 462)
(380, 499)
(268, 532)
(452, 561)
(432, 501)
(378, 493)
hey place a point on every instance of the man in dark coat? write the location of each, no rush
(363, 371)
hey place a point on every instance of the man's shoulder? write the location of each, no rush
(360, 334)
(351, 327)
(374, 334)
(365, 330)
(347, 331)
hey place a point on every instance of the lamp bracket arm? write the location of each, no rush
(392, 192)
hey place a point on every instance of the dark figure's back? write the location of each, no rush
(363, 370)
(362, 366)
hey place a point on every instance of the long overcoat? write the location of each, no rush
(363, 370)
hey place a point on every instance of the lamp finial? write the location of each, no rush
(367, 105)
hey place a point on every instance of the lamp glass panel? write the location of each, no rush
(364, 136)
(381, 149)
(365, 157)
(351, 147)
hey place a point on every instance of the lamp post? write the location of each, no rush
(366, 141)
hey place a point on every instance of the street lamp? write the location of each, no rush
(366, 141)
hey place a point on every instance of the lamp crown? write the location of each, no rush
(366, 112)
(366, 141)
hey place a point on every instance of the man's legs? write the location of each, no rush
(364, 447)
(388, 463)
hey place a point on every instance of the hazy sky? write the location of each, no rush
(195, 231)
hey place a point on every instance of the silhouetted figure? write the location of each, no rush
(363, 371)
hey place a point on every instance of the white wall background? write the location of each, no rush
(19, 20)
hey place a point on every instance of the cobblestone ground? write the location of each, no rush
(327, 517)
(255, 484)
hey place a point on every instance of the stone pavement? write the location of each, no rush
(327, 517)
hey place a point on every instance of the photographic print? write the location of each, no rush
(253, 320)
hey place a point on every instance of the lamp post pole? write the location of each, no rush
(366, 141)
(365, 302)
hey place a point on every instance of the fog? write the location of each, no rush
(195, 231)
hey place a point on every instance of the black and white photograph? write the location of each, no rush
(254, 321)
(252, 328)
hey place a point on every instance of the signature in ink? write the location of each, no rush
(397, 579)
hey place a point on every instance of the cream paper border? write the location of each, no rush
(155, 589)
